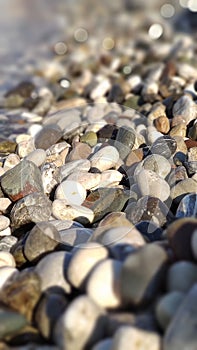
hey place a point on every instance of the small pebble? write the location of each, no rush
(4, 222)
(71, 191)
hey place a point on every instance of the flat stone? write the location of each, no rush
(52, 271)
(11, 322)
(80, 151)
(133, 338)
(23, 179)
(181, 332)
(46, 137)
(142, 274)
(37, 157)
(165, 146)
(4, 222)
(106, 273)
(22, 292)
(153, 185)
(91, 318)
(42, 239)
(187, 206)
(105, 200)
(167, 307)
(175, 280)
(105, 159)
(71, 191)
(83, 260)
(180, 234)
(35, 207)
(62, 211)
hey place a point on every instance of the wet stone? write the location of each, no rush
(188, 206)
(47, 136)
(35, 207)
(20, 181)
(42, 239)
(165, 146)
(142, 274)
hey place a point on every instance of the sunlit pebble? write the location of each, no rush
(81, 35)
(108, 43)
(155, 31)
(64, 83)
(127, 70)
(183, 3)
(60, 48)
(167, 11)
(192, 5)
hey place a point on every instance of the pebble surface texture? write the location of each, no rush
(98, 176)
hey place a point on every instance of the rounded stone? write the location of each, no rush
(38, 157)
(124, 140)
(71, 191)
(105, 159)
(167, 306)
(182, 188)
(42, 239)
(159, 164)
(83, 260)
(90, 138)
(106, 273)
(11, 322)
(62, 211)
(52, 271)
(5, 273)
(6, 259)
(4, 222)
(165, 146)
(153, 185)
(181, 276)
(91, 321)
(48, 136)
(187, 206)
(162, 124)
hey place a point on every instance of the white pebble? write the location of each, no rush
(38, 157)
(7, 259)
(105, 159)
(4, 222)
(87, 180)
(4, 204)
(25, 147)
(5, 273)
(62, 211)
(71, 191)
(34, 129)
(6, 232)
(11, 160)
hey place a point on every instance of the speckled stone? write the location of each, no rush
(138, 283)
(42, 239)
(187, 206)
(35, 207)
(23, 179)
(84, 312)
(181, 332)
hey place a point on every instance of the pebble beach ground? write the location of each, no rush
(98, 176)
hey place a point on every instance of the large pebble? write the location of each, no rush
(181, 276)
(83, 260)
(128, 338)
(35, 207)
(142, 274)
(181, 332)
(157, 163)
(62, 211)
(52, 270)
(42, 239)
(71, 191)
(104, 159)
(47, 136)
(23, 179)
(153, 185)
(106, 273)
(86, 179)
(91, 322)
(37, 157)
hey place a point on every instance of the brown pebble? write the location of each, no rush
(80, 151)
(162, 124)
(178, 130)
(134, 157)
(190, 143)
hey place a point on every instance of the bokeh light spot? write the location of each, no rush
(155, 31)
(64, 83)
(167, 11)
(60, 48)
(127, 70)
(108, 43)
(81, 35)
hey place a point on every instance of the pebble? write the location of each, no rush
(167, 307)
(52, 271)
(71, 191)
(47, 136)
(153, 185)
(5, 232)
(37, 157)
(35, 207)
(185, 107)
(159, 164)
(105, 344)
(178, 130)
(42, 239)
(90, 138)
(133, 338)
(22, 286)
(105, 159)
(109, 297)
(4, 222)
(7, 146)
(10, 162)
(4, 205)
(91, 322)
(180, 333)
(25, 147)
(72, 166)
(193, 132)
(187, 206)
(138, 274)
(178, 174)
(83, 260)
(124, 140)
(175, 280)
(179, 234)
(62, 211)
(165, 146)
(86, 179)
(6, 259)
(150, 231)
(23, 179)
(182, 188)
(7, 242)
(192, 154)
(80, 151)
(101, 89)
(162, 124)
(11, 323)
(5, 273)
(74, 237)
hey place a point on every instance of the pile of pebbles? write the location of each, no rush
(98, 201)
